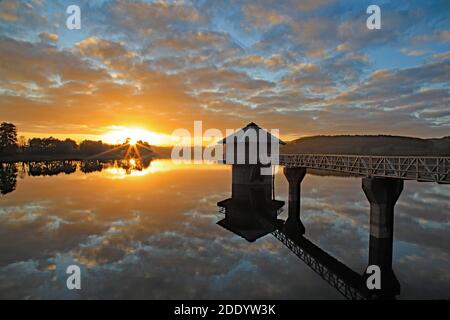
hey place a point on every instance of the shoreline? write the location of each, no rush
(62, 157)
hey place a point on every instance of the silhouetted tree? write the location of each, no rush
(66, 146)
(89, 147)
(23, 144)
(52, 146)
(8, 177)
(8, 138)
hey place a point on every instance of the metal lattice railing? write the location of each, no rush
(347, 290)
(427, 169)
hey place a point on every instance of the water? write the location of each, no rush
(152, 234)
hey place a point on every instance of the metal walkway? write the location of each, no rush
(425, 169)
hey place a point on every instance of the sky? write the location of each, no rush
(304, 67)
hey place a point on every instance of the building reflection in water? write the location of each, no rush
(252, 212)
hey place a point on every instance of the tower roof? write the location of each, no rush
(252, 126)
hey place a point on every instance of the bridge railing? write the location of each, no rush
(349, 290)
(429, 169)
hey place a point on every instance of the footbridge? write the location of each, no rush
(382, 181)
(424, 169)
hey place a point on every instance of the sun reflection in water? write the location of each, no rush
(136, 168)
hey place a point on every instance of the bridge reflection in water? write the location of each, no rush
(252, 212)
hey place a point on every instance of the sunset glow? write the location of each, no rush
(119, 135)
(198, 151)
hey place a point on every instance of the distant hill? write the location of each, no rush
(369, 145)
(356, 145)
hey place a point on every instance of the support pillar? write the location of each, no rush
(382, 194)
(295, 177)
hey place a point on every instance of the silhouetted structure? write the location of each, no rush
(252, 213)
(295, 177)
(382, 194)
(249, 145)
(382, 183)
(252, 191)
(424, 169)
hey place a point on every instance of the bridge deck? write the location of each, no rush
(427, 169)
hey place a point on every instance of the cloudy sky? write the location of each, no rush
(304, 67)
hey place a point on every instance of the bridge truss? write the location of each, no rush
(426, 169)
(347, 282)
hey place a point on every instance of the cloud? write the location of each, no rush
(112, 54)
(309, 5)
(192, 41)
(145, 19)
(17, 17)
(8, 10)
(38, 62)
(276, 61)
(412, 53)
(436, 35)
(444, 35)
(51, 37)
(442, 56)
(385, 84)
(259, 16)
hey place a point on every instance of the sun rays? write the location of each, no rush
(132, 146)
(132, 135)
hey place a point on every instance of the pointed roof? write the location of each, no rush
(252, 126)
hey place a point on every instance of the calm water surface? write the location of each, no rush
(152, 234)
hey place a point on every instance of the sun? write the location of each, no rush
(131, 135)
(132, 141)
(126, 135)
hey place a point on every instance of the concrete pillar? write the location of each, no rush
(294, 177)
(382, 194)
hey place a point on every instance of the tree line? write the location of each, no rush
(10, 144)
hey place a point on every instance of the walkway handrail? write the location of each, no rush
(427, 169)
(335, 273)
